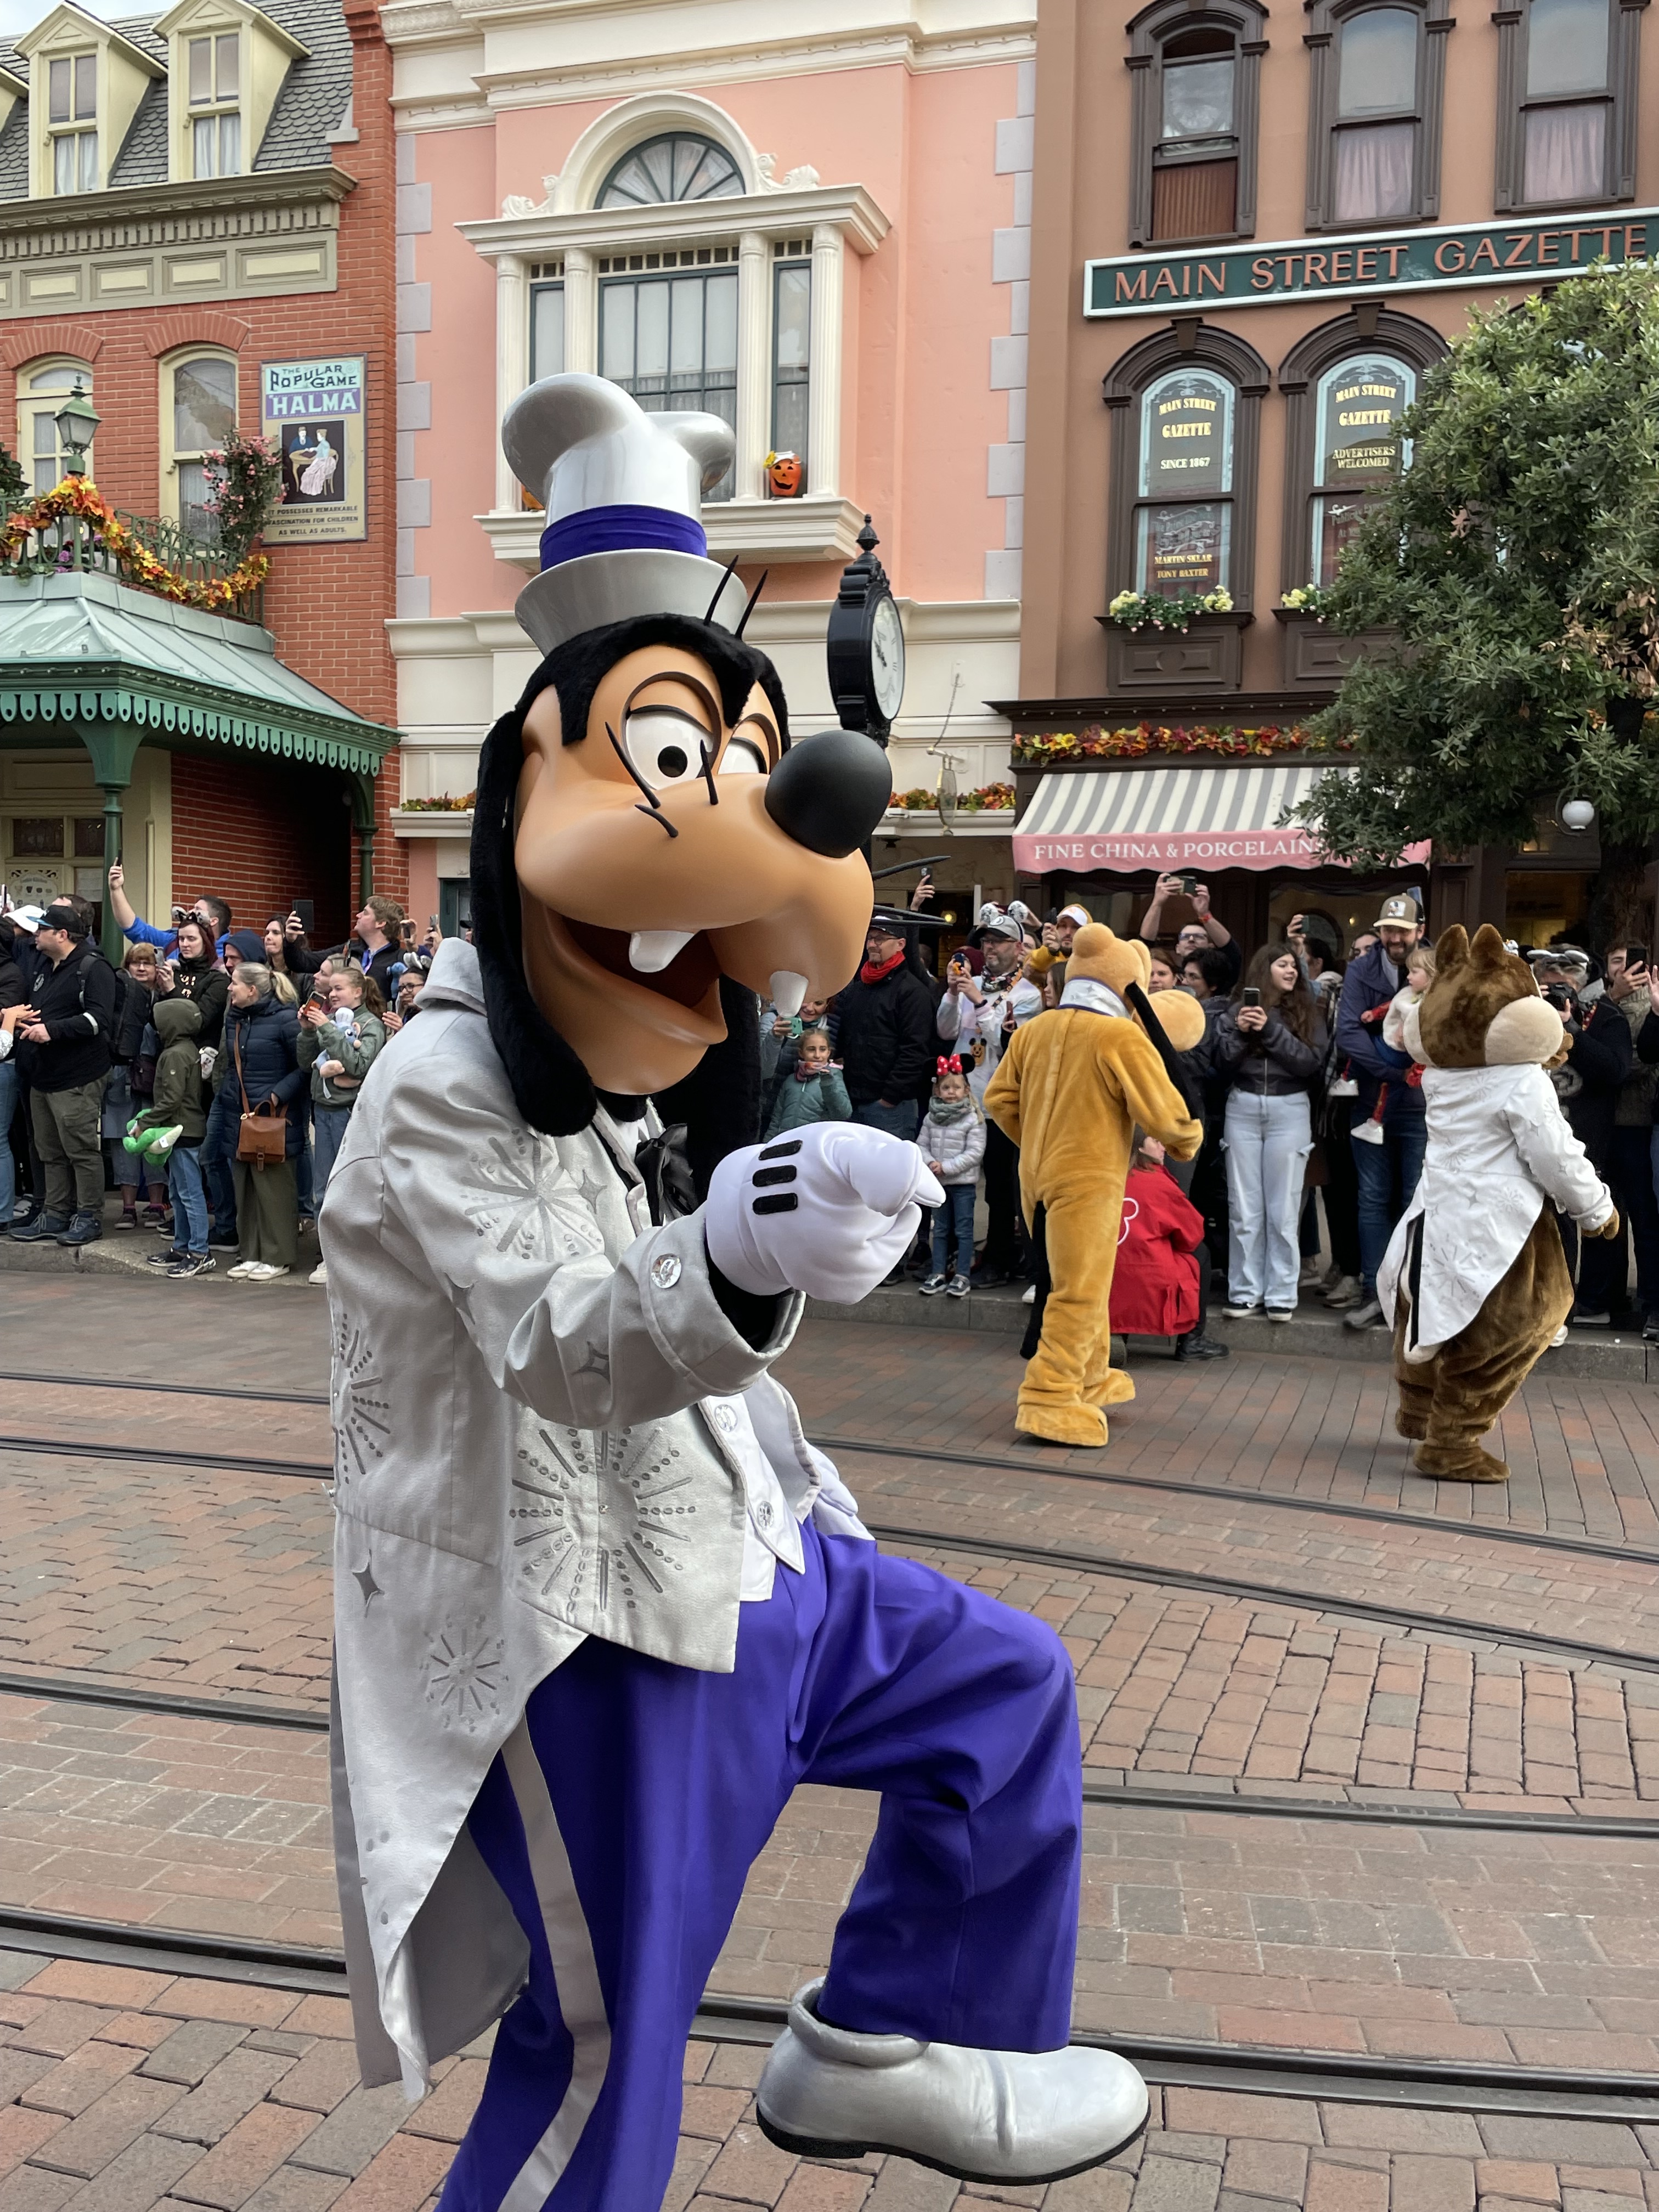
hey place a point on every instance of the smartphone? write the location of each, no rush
(1189, 884)
(1635, 955)
(307, 911)
(1252, 996)
(431, 921)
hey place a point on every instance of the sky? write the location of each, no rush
(19, 16)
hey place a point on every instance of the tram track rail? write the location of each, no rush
(1044, 1467)
(1378, 1813)
(1558, 2092)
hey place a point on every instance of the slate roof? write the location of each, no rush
(311, 104)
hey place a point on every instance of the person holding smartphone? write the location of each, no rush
(1270, 1044)
(1195, 936)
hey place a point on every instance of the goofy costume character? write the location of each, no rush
(599, 1606)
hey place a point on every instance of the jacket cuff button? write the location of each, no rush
(665, 1272)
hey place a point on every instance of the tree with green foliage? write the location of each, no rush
(1516, 561)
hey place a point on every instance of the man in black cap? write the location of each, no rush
(888, 1043)
(65, 1058)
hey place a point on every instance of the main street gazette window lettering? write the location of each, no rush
(1183, 509)
(1356, 452)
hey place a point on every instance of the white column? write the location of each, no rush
(754, 361)
(823, 395)
(512, 361)
(581, 311)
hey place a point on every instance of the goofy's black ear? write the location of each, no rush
(551, 1087)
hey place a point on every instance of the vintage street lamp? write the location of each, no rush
(78, 423)
(1575, 815)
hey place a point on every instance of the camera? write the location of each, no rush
(1561, 996)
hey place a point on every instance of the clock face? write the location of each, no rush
(887, 658)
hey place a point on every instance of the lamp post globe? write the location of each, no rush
(77, 421)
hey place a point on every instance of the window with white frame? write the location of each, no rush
(42, 388)
(791, 346)
(72, 121)
(546, 320)
(677, 165)
(199, 410)
(214, 90)
(668, 332)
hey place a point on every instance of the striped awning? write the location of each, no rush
(1171, 817)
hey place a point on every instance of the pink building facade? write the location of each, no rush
(812, 218)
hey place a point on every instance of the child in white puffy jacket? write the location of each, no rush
(952, 1142)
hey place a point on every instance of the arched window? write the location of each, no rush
(1356, 453)
(198, 413)
(1568, 131)
(1374, 147)
(1345, 387)
(674, 166)
(1183, 519)
(1185, 406)
(1194, 118)
(42, 388)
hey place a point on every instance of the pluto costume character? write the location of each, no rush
(599, 1606)
(1068, 1091)
(1474, 1281)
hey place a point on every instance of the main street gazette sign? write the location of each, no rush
(1454, 257)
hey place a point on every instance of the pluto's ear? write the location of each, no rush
(1453, 948)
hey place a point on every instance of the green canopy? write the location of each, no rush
(85, 656)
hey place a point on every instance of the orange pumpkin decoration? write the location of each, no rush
(785, 476)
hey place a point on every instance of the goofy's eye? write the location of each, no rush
(664, 746)
(742, 757)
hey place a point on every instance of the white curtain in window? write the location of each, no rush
(1565, 153)
(1374, 169)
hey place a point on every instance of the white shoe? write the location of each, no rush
(319, 1273)
(242, 1271)
(264, 1273)
(983, 2116)
(1028, 1296)
(1557, 1340)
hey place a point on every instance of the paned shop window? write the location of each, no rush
(42, 388)
(202, 414)
(1193, 140)
(1356, 453)
(1184, 521)
(1374, 132)
(1566, 128)
(791, 348)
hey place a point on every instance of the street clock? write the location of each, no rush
(865, 645)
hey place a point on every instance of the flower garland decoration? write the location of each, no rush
(1136, 608)
(1227, 740)
(80, 498)
(988, 798)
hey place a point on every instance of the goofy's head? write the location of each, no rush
(648, 851)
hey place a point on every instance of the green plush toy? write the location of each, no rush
(153, 1144)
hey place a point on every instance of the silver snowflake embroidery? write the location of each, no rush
(362, 1408)
(527, 1206)
(626, 1479)
(463, 1673)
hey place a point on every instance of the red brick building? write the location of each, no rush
(197, 227)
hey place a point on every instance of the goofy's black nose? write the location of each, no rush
(828, 793)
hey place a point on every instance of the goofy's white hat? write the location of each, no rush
(622, 492)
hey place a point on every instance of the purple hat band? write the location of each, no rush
(622, 530)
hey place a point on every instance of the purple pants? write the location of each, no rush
(621, 1818)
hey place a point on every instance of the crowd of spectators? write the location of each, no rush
(1312, 1108)
(207, 1080)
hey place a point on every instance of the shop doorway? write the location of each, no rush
(1547, 903)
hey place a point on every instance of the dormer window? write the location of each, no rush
(215, 116)
(72, 121)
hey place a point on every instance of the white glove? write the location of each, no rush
(829, 1210)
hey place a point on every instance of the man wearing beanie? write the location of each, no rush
(64, 1059)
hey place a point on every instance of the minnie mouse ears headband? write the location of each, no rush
(951, 1066)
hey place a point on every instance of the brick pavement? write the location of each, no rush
(121, 2091)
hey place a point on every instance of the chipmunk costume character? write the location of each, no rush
(1069, 1090)
(1475, 1282)
(599, 1606)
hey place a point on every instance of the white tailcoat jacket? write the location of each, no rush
(545, 1429)
(1498, 1144)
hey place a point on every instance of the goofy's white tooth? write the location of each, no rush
(788, 989)
(650, 951)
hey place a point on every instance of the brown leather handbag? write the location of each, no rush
(261, 1135)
